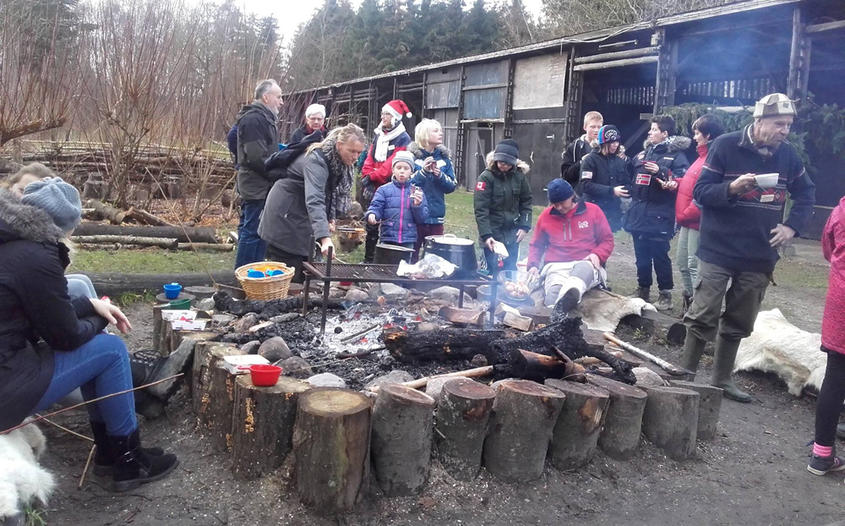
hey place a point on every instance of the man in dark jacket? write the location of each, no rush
(570, 166)
(651, 218)
(502, 203)
(257, 140)
(741, 230)
(315, 118)
(604, 176)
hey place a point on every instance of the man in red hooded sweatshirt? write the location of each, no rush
(390, 137)
(573, 240)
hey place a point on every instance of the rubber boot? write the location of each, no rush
(723, 364)
(664, 300)
(103, 455)
(133, 467)
(643, 293)
(691, 355)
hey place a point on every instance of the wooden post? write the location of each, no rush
(524, 415)
(262, 424)
(709, 404)
(331, 441)
(577, 430)
(401, 441)
(622, 425)
(461, 424)
(670, 420)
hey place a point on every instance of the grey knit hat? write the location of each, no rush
(58, 198)
(403, 156)
(507, 151)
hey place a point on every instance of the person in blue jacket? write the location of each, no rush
(399, 205)
(433, 172)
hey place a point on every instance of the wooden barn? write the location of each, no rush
(726, 56)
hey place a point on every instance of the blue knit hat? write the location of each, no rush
(559, 190)
(609, 133)
(56, 197)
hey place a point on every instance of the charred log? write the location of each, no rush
(224, 302)
(441, 345)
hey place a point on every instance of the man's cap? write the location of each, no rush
(773, 105)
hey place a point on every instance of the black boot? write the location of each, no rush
(643, 293)
(723, 364)
(133, 467)
(691, 355)
(103, 455)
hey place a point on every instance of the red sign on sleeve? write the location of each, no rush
(480, 186)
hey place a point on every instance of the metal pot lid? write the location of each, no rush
(449, 239)
(397, 248)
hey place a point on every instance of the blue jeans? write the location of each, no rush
(99, 367)
(251, 248)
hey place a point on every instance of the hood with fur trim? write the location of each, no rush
(415, 149)
(20, 221)
(675, 143)
(522, 165)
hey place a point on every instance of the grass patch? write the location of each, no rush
(149, 261)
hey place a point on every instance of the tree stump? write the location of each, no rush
(331, 441)
(401, 441)
(577, 430)
(521, 424)
(624, 420)
(262, 424)
(206, 355)
(461, 425)
(217, 416)
(709, 405)
(670, 420)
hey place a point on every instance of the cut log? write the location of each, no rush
(462, 316)
(534, 366)
(567, 336)
(182, 234)
(206, 355)
(115, 283)
(670, 420)
(146, 218)
(461, 424)
(106, 211)
(209, 247)
(659, 325)
(709, 405)
(262, 425)
(401, 440)
(217, 416)
(577, 429)
(160, 242)
(518, 322)
(331, 443)
(521, 425)
(441, 345)
(624, 420)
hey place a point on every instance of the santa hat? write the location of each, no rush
(397, 108)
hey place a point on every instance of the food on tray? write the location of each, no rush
(517, 289)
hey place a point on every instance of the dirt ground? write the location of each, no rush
(752, 473)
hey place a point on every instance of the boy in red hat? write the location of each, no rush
(390, 137)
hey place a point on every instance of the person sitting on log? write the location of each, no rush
(573, 240)
(52, 344)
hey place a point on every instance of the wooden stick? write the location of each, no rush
(62, 410)
(87, 463)
(66, 430)
(467, 373)
(672, 369)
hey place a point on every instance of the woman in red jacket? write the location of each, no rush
(687, 213)
(832, 393)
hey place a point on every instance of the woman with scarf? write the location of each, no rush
(305, 204)
(390, 137)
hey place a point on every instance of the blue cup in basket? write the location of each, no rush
(172, 290)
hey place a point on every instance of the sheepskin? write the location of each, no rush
(22, 480)
(601, 310)
(779, 347)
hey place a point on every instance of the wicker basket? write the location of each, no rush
(269, 288)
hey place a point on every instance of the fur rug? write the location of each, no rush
(601, 310)
(22, 480)
(779, 347)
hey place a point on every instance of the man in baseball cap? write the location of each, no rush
(741, 229)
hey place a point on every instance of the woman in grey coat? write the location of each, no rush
(304, 204)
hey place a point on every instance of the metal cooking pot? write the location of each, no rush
(457, 250)
(387, 254)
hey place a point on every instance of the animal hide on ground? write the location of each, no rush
(602, 311)
(779, 347)
(22, 480)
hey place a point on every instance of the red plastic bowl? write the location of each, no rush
(264, 375)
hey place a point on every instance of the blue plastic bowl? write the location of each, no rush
(172, 290)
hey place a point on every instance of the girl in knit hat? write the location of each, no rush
(53, 344)
(399, 205)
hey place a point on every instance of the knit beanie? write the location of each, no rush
(609, 133)
(58, 198)
(315, 109)
(559, 190)
(403, 156)
(507, 151)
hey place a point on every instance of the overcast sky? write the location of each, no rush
(291, 13)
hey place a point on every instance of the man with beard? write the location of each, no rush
(741, 230)
(257, 140)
